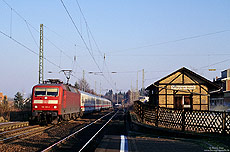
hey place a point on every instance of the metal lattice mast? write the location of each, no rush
(137, 94)
(83, 80)
(41, 75)
(143, 82)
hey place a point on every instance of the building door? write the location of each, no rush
(187, 102)
(178, 102)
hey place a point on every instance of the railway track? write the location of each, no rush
(41, 140)
(85, 138)
(12, 125)
(15, 134)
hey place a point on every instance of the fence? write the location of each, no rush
(19, 115)
(193, 120)
(4, 116)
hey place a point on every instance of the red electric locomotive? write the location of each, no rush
(53, 101)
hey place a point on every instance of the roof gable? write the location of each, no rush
(176, 76)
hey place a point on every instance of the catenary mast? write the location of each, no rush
(41, 70)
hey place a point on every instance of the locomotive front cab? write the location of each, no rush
(45, 103)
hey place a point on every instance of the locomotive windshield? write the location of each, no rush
(46, 92)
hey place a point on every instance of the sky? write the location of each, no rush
(115, 39)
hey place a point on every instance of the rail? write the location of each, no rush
(12, 125)
(16, 130)
(8, 136)
(71, 135)
(190, 120)
(98, 132)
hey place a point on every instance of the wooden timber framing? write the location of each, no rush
(182, 89)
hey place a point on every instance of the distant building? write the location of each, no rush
(144, 99)
(222, 96)
(2, 97)
(182, 89)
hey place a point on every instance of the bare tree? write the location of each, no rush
(83, 85)
(4, 109)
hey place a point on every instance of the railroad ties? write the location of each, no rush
(19, 133)
(85, 137)
(5, 126)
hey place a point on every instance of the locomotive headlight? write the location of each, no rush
(35, 106)
(55, 107)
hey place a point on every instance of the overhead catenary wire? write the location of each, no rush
(79, 32)
(63, 52)
(28, 24)
(82, 38)
(88, 28)
(52, 31)
(170, 55)
(172, 41)
(98, 49)
(28, 27)
(31, 34)
(11, 21)
(30, 50)
(215, 63)
(23, 45)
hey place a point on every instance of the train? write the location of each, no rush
(53, 101)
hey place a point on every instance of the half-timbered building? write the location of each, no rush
(182, 89)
